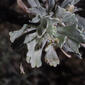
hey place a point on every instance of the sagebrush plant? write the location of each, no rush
(58, 27)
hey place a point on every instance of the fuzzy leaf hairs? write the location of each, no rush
(60, 28)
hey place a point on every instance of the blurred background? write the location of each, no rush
(69, 72)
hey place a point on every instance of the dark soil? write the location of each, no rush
(69, 72)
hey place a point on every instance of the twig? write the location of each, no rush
(23, 6)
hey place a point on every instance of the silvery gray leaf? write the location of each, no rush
(67, 2)
(69, 19)
(42, 27)
(38, 3)
(62, 39)
(72, 32)
(36, 19)
(38, 11)
(60, 12)
(51, 4)
(71, 46)
(18, 33)
(54, 35)
(66, 16)
(33, 56)
(32, 3)
(74, 2)
(51, 56)
(30, 37)
(81, 22)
